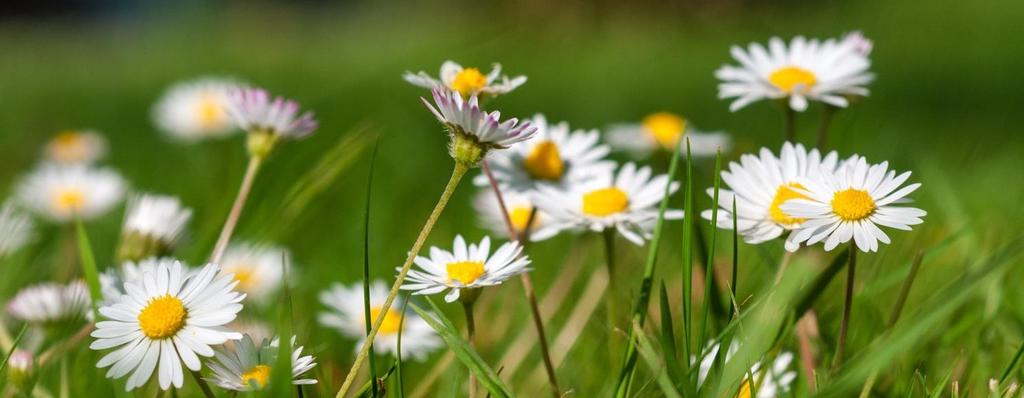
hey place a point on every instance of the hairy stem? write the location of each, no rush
(236, 209)
(847, 304)
(467, 307)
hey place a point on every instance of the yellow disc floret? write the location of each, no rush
(163, 317)
(392, 320)
(465, 272)
(258, 375)
(605, 202)
(209, 111)
(785, 193)
(790, 77)
(545, 162)
(69, 199)
(247, 279)
(853, 204)
(469, 81)
(520, 216)
(666, 128)
(69, 147)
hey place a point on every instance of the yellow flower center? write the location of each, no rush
(465, 271)
(210, 111)
(788, 78)
(469, 81)
(545, 162)
(853, 204)
(746, 390)
(259, 374)
(785, 193)
(247, 279)
(392, 320)
(666, 128)
(605, 201)
(163, 317)
(69, 199)
(68, 146)
(520, 216)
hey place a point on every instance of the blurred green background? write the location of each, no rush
(945, 104)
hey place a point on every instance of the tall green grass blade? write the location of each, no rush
(364, 390)
(667, 338)
(942, 384)
(643, 301)
(92, 275)
(14, 346)
(463, 352)
(687, 257)
(281, 372)
(366, 269)
(821, 282)
(709, 266)
(735, 255)
(651, 358)
(1012, 366)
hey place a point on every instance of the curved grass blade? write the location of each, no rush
(709, 266)
(367, 313)
(281, 372)
(651, 358)
(92, 275)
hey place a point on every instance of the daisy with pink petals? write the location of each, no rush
(267, 120)
(474, 131)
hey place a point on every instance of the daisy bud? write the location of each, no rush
(20, 369)
(267, 119)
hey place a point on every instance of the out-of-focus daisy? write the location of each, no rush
(769, 383)
(168, 317)
(58, 193)
(15, 229)
(195, 109)
(257, 268)
(761, 184)
(467, 267)
(152, 225)
(346, 314)
(267, 120)
(519, 209)
(467, 82)
(76, 147)
(473, 130)
(254, 328)
(627, 201)
(826, 71)
(50, 302)
(247, 366)
(662, 131)
(554, 156)
(850, 204)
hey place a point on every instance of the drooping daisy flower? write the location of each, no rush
(15, 229)
(519, 209)
(769, 383)
(166, 317)
(246, 367)
(467, 267)
(50, 302)
(58, 193)
(257, 268)
(346, 314)
(627, 201)
(468, 82)
(473, 130)
(850, 204)
(662, 131)
(554, 156)
(152, 225)
(826, 71)
(194, 110)
(76, 147)
(761, 184)
(266, 120)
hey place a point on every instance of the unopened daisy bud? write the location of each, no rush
(152, 225)
(76, 147)
(474, 131)
(15, 229)
(60, 193)
(468, 82)
(21, 368)
(267, 121)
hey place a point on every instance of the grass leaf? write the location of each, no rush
(281, 372)
(651, 358)
(367, 312)
(92, 275)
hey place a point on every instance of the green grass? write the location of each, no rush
(945, 105)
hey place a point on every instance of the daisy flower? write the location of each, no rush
(827, 71)
(554, 156)
(345, 314)
(627, 201)
(256, 268)
(662, 131)
(196, 109)
(112, 280)
(246, 367)
(850, 204)
(769, 383)
(468, 82)
(519, 209)
(76, 147)
(152, 225)
(167, 317)
(468, 267)
(760, 185)
(15, 229)
(50, 302)
(266, 120)
(59, 193)
(473, 130)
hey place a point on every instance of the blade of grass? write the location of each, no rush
(281, 372)
(364, 390)
(651, 358)
(92, 275)
(444, 328)
(14, 346)
(709, 267)
(668, 339)
(687, 258)
(368, 322)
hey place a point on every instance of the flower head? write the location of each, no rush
(194, 110)
(627, 201)
(50, 302)
(473, 130)
(467, 267)
(15, 229)
(468, 82)
(520, 210)
(59, 193)
(152, 225)
(850, 204)
(247, 367)
(826, 71)
(662, 131)
(167, 317)
(266, 120)
(346, 314)
(769, 382)
(257, 268)
(76, 147)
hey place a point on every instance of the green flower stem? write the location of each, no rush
(847, 303)
(207, 392)
(467, 307)
(790, 123)
(826, 120)
(236, 208)
(457, 174)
